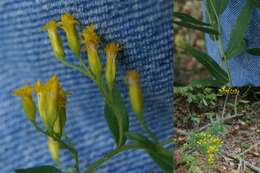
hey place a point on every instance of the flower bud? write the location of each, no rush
(57, 46)
(135, 92)
(54, 149)
(27, 101)
(68, 24)
(111, 50)
(91, 40)
(42, 101)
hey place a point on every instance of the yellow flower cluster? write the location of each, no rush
(211, 143)
(90, 40)
(227, 90)
(51, 101)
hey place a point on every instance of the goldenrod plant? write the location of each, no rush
(51, 102)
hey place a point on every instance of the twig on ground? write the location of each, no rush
(246, 163)
(253, 146)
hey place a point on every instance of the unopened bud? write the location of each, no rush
(135, 92)
(68, 24)
(91, 40)
(111, 50)
(54, 149)
(27, 101)
(57, 46)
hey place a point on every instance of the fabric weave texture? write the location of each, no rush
(245, 68)
(145, 30)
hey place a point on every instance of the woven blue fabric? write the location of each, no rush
(245, 68)
(144, 28)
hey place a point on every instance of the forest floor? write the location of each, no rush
(240, 115)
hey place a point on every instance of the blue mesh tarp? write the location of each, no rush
(245, 68)
(144, 28)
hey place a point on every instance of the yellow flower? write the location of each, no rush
(211, 150)
(91, 40)
(111, 50)
(211, 159)
(180, 41)
(135, 92)
(68, 24)
(52, 104)
(51, 28)
(217, 141)
(54, 149)
(27, 101)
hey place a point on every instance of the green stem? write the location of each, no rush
(116, 151)
(77, 68)
(221, 47)
(68, 147)
(147, 129)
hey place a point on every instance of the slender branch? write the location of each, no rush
(116, 151)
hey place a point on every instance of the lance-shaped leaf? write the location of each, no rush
(188, 18)
(215, 70)
(207, 83)
(39, 169)
(160, 155)
(256, 3)
(117, 117)
(254, 51)
(237, 43)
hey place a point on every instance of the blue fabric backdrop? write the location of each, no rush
(245, 68)
(145, 30)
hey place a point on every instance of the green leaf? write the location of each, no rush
(215, 70)
(212, 17)
(207, 83)
(237, 43)
(254, 51)
(161, 156)
(112, 123)
(119, 116)
(222, 5)
(165, 163)
(256, 3)
(40, 169)
(141, 140)
(188, 18)
(197, 27)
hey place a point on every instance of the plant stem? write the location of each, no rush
(221, 47)
(64, 144)
(147, 129)
(77, 68)
(116, 151)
